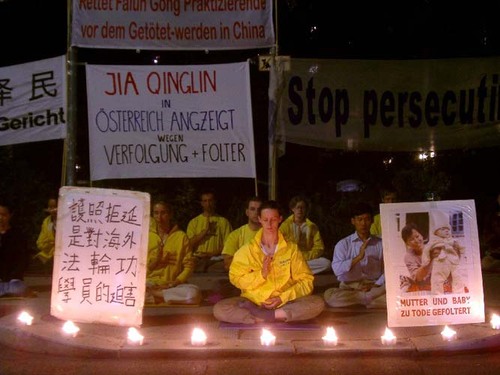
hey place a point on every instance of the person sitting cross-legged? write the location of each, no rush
(358, 264)
(275, 281)
(170, 261)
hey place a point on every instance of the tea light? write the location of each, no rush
(198, 338)
(134, 337)
(70, 328)
(330, 338)
(448, 334)
(495, 321)
(388, 338)
(267, 338)
(25, 318)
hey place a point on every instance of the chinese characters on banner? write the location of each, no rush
(170, 121)
(432, 263)
(101, 254)
(33, 101)
(173, 24)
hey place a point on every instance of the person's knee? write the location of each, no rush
(317, 304)
(220, 310)
(16, 287)
(330, 295)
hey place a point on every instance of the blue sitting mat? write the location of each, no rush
(279, 326)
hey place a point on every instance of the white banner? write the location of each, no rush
(173, 24)
(101, 254)
(432, 263)
(33, 101)
(377, 105)
(170, 121)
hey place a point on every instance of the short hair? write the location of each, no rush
(408, 230)
(4, 203)
(255, 198)
(168, 205)
(361, 208)
(296, 199)
(269, 204)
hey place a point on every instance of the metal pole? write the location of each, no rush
(272, 169)
(70, 141)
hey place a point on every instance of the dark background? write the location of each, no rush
(38, 29)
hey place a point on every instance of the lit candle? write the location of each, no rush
(448, 334)
(134, 337)
(25, 318)
(388, 338)
(495, 321)
(198, 338)
(70, 328)
(267, 338)
(330, 338)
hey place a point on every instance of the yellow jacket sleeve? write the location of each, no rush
(290, 276)
(46, 240)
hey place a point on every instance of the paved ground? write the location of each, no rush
(167, 330)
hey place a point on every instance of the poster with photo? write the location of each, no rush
(432, 263)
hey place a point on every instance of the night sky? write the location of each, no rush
(36, 29)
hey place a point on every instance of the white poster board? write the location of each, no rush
(448, 291)
(170, 121)
(173, 24)
(100, 256)
(33, 101)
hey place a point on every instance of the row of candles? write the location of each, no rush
(199, 337)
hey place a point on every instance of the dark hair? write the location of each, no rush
(170, 208)
(169, 205)
(207, 191)
(274, 205)
(361, 208)
(408, 230)
(5, 204)
(255, 198)
(296, 199)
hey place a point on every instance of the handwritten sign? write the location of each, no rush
(432, 263)
(170, 121)
(100, 256)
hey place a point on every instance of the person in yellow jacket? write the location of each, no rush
(170, 262)
(387, 195)
(275, 280)
(45, 242)
(242, 235)
(207, 233)
(299, 229)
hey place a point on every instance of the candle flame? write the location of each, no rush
(70, 328)
(198, 337)
(448, 333)
(267, 338)
(25, 318)
(330, 334)
(388, 334)
(495, 321)
(134, 336)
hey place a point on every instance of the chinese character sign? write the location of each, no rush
(33, 101)
(100, 258)
(432, 263)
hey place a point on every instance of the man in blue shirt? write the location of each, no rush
(358, 264)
